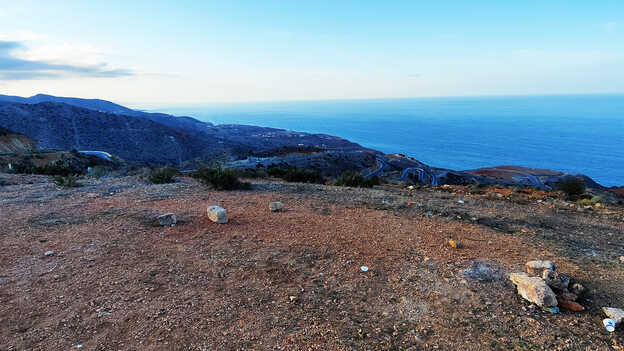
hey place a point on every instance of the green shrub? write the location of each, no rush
(356, 180)
(163, 175)
(572, 186)
(296, 175)
(221, 179)
(590, 202)
(249, 172)
(68, 181)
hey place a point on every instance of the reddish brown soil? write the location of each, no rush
(292, 280)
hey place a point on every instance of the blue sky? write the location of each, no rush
(157, 53)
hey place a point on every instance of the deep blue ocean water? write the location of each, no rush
(572, 133)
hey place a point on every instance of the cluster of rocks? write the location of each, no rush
(216, 214)
(545, 287)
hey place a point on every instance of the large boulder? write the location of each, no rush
(217, 214)
(534, 289)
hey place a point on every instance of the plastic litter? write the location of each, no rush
(364, 269)
(609, 324)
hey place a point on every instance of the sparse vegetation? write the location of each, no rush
(357, 180)
(67, 181)
(221, 179)
(590, 202)
(296, 175)
(163, 175)
(572, 186)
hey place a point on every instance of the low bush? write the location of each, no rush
(221, 179)
(356, 180)
(68, 181)
(163, 175)
(572, 186)
(249, 172)
(296, 175)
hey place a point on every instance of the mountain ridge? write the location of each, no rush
(180, 122)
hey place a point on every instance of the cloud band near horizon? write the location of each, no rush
(15, 68)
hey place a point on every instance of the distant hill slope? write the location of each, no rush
(64, 127)
(184, 123)
(12, 142)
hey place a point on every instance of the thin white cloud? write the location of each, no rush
(17, 62)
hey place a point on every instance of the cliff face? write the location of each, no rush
(15, 143)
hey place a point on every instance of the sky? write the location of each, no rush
(162, 53)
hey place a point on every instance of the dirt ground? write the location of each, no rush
(292, 280)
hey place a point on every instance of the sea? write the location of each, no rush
(571, 133)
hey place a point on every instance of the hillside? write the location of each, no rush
(11, 142)
(184, 123)
(64, 127)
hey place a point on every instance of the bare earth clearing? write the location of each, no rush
(292, 280)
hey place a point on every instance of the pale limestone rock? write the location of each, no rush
(534, 289)
(537, 267)
(276, 206)
(217, 214)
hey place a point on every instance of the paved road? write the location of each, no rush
(100, 154)
(533, 180)
(382, 166)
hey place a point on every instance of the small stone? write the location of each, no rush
(217, 214)
(570, 305)
(614, 313)
(534, 289)
(276, 206)
(167, 220)
(537, 267)
(48, 253)
(577, 289)
(558, 282)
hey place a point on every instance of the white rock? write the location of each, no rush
(217, 214)
(534, 289)
(537, 267)
(167, 220)
(276, 206)
(614, 313)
